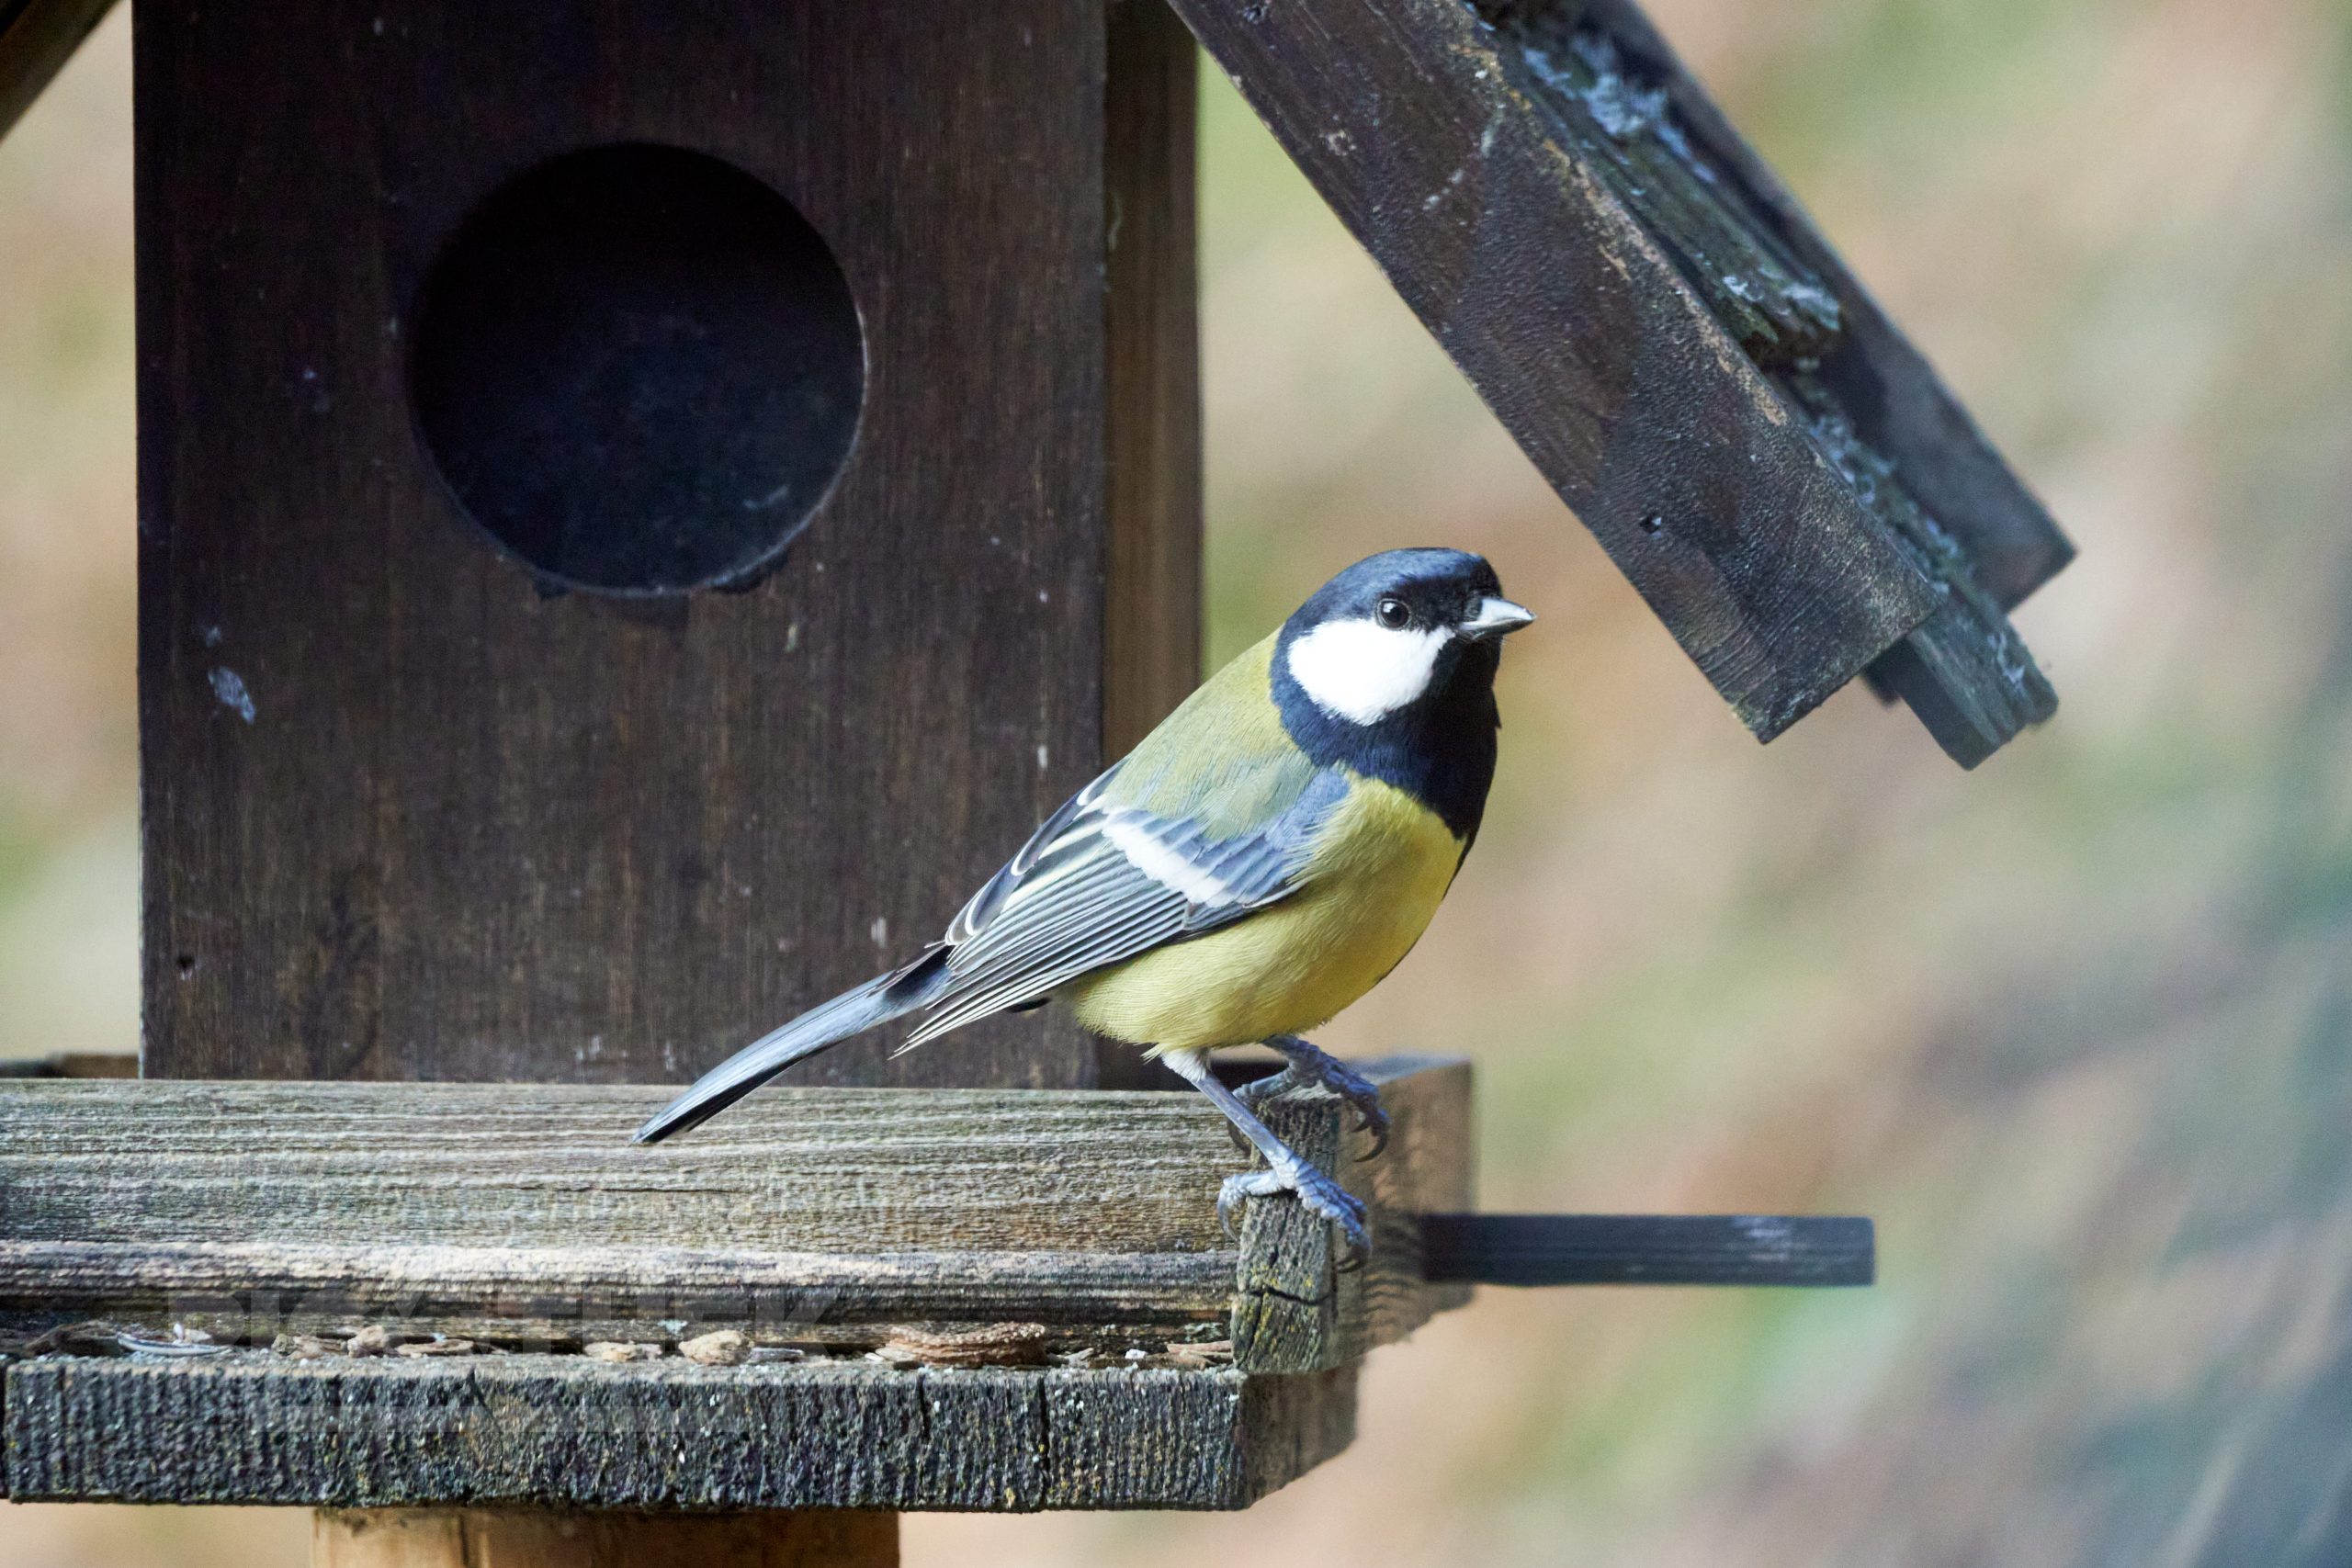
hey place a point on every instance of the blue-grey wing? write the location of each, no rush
(982, 908)
(1110, 882)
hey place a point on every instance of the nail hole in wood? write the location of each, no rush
(639, 369)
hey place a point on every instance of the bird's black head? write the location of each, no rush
(1389, 668)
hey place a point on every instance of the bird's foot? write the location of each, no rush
(1318, 1194)
(1310, 1067)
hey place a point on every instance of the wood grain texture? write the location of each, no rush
(1581, 333)
(525, 1165)
(569, 1432)
(1964, 671)
(1152, 636)
(37, 38)
(519, 1213)
(1619, 276)
(1899, 406)
(1152, 598)
(1625, 109)
(1297, 1310)
(514, 1537)
(474, 831)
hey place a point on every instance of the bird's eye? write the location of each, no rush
(1393, 614)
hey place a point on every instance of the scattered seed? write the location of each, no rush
(720, 1347)
(997, 1345)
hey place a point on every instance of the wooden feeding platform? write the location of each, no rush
(368, 1295)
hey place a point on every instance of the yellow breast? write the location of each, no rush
(1379, 873)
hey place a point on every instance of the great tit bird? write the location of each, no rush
(1265, 857)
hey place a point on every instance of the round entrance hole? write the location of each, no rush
(638, 368)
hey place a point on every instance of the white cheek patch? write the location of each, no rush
(1361, 671)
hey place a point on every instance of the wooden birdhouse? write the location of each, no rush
(641, 509)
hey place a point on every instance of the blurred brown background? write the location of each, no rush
(2076, 1028)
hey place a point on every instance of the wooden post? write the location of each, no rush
(520, 1537)
(641, 508)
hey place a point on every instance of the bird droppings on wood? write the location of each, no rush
(231, 689)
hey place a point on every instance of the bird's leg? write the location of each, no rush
(1310, 1065)
(1285, 1172)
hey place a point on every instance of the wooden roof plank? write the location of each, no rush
(37, 38)
(1899, 405)
(1668, 339)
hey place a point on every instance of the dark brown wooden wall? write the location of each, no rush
(410, 813)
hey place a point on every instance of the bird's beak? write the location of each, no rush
(1495, 617)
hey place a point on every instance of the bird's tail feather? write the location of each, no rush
(878, 1001)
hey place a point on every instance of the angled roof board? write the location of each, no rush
(36, 36)
(1686, 360)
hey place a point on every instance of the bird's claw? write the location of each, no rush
(1317, 1193)
(1326, 1072)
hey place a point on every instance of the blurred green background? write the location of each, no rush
(2076, 1028)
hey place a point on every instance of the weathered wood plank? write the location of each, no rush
(1298, 1310)
(1653, 318)
(520, 1211)
(37, 38)
(565, 1431)
(516, 1538)
(1899, 406)
(569, 1296)
(1580, 332)
(547, 1165)
(1648, 1249)
(1618, 98)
